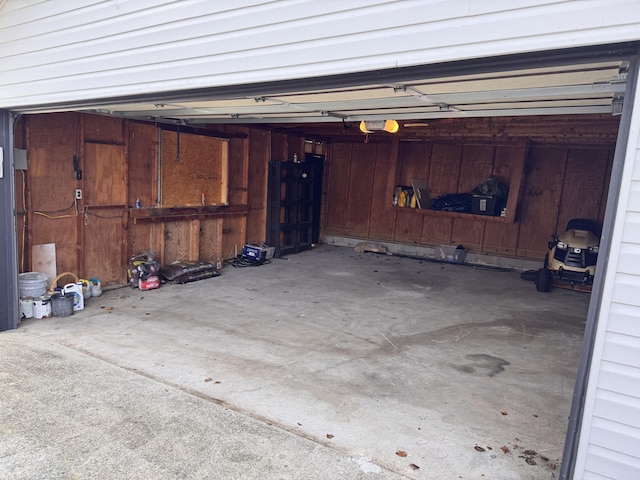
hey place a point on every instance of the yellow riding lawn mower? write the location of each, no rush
(572, 257)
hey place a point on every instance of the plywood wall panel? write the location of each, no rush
(102, 129)
(142, 237)
(54, 139)
(104, 250)
(408, 227)
(142, 160)
(296, 147)
(233, 235)
(48, 171)
(338, 169)
(541, 200)
(142, 170)
(54, 130)
(444, 169)
(504, 160)
(436, 230)
(104, 175)
(362, 167)
(238, 171)
(62, 232)
(196, 169)
(476, 165)
(176, 242)
(583, 184)
(357, 193)
(258, 176)
(211, 240)
(53, 213)
(416, 158)
(382, 213)
(279, 146)
(501, 238)
(468, 232)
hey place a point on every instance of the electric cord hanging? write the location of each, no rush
(52, 213)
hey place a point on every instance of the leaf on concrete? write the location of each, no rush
(401, 453)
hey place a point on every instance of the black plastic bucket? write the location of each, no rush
(62, 304)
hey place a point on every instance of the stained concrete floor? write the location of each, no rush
(325, 364)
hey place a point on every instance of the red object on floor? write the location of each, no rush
(150, 283)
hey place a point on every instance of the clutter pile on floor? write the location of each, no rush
(145, 273)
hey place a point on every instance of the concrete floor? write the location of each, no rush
(334, 360)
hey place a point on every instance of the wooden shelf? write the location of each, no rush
(161, 214)
(114, 205)
(442, 213)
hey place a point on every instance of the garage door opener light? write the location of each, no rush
(370, 126)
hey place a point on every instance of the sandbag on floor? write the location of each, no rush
(184, 272)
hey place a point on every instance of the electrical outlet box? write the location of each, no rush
(78, 194)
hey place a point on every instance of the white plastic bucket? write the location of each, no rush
(32, 284)
(26, 307)
(78, 298)
(42, 307)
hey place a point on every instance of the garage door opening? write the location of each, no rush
(557, 167)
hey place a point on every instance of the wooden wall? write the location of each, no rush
(564, 165)
(551, 183)
(95, 235)
(53, 216)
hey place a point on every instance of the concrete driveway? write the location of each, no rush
(326, 364)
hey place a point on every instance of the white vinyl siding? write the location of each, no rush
(54, 51)
(59, 52)
(609, 445)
